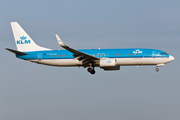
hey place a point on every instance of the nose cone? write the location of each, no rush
(171, 58)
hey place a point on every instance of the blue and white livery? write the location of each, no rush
(107, 59)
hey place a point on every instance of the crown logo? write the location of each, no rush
(23, 38)
(137, 51)
(108, 61)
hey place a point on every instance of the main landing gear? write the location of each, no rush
(91, 70)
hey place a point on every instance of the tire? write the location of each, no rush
(93, 71)
(89, 69)
(157, 69)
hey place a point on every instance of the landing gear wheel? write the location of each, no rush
(157, 69)
(89, 69)
(93, 71)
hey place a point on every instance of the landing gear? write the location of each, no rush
(91, 70)
(157, 69)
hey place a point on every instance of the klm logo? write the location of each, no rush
(137, 51)
(23, 40)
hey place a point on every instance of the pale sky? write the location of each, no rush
(30, 91)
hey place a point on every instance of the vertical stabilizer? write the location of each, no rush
(23, 41)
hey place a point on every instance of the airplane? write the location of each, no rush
(107, 59)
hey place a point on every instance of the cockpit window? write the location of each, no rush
(163, 53)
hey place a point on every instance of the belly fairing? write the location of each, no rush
(57, 62)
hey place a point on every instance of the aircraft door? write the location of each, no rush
(39, 56)
(154, 54)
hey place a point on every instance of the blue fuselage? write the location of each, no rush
(99, 53)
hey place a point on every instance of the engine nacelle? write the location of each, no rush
(111, 68)
(107, 63)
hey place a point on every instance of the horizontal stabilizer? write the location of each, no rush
(16, 52)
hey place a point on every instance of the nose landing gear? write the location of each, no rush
(157, 69)
(158, 65)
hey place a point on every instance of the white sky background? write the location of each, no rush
(31, 91)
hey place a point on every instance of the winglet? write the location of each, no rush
(60, 41)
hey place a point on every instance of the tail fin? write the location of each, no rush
(23, 42)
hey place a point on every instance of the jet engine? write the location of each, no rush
(107, 62)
